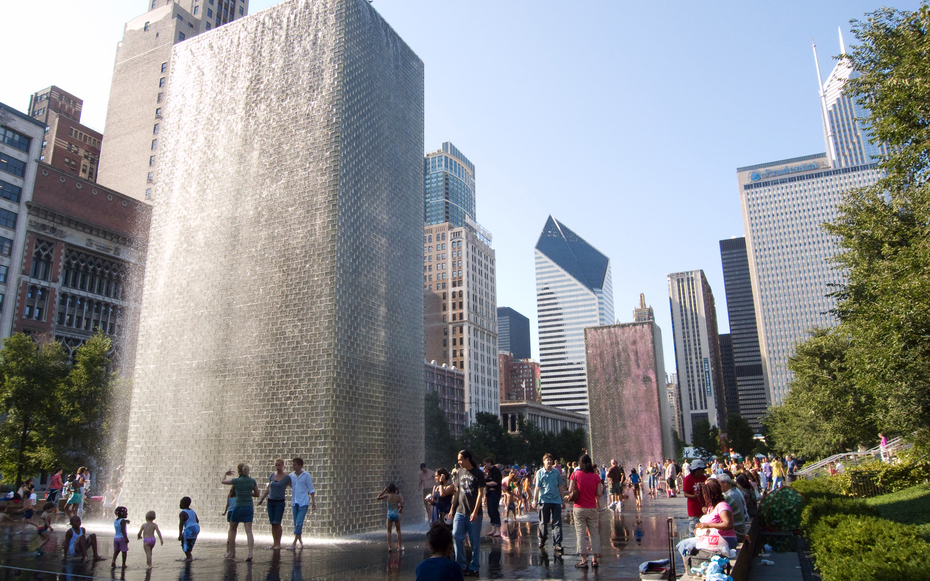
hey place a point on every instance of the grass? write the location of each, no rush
(908, 506)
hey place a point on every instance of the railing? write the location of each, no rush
(850, 458)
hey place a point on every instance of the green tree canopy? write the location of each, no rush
(884, 230)
(705, 438)
(739, 435)
(54, 412)
(441, 445)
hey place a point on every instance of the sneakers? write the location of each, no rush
(558, 549)
(470, 573)
(612, 505)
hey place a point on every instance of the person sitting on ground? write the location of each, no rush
(440, 566)
(77, 540)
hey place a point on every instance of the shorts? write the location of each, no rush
(75, 499)
(189, 538)
(242, 514)
(28, 514)
(120, 544)
(150, 541)
(41, 530)
(616, 489)
(275, 511)
(52, 495)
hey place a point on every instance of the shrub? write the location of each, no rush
(862, 548)
(910, 470)
(817, 508)
(822, 487)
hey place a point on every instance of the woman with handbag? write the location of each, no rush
(584, 489)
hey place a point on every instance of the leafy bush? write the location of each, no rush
(823, 487)
(910, 470)
(817, 508)
(862, 548)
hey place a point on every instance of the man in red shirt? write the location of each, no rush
(690, 489)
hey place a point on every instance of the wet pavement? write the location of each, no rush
(627, 539)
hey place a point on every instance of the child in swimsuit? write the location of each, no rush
(147, 533)
(188, 527)
(44, 525)
(121, 538)
(77, 540)
(395, 508)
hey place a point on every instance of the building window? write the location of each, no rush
(240, 11)
(12, 165)
(6, 246)
(7, 219)
(92, 274)
(14, 139)
(151, 160)
(148, 193)
(3, 272)
(154, 3)
(36, 298)
(179, 17)
(146, 27)
(150, 176)
(180, 36)
(154, 144)
(196, 10)
(160, 97)
(42, 260)
(158, 112)
(210, 12)
(161, 82)
(10, 192)
(164, 67)
(208, 26)
(155, 129)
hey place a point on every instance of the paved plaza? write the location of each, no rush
(627, 540)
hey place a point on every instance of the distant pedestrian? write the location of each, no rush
(147, 533)
(278, 481)
(466, 512)
(493, 481)
(424, 488)
(584, 511)
(547, 497)
(883, 445)
(55, 486)
(615, 478)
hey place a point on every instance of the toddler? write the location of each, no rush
(147, 533)
(121, 538)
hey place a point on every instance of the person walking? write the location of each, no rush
(466, 512)
(244, 510)
(615, 478)
(303, 498)
(278, 481)
(493, 480)
(588, 485)
(547, 499)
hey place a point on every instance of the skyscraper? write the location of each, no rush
(697, 350)
(741, 311)
(68, 145)
(513, 333)
(460, 311)
(282, 297)
(573, 291)
(728, 372)
(847, 138)
(129, 158)
(450, 187)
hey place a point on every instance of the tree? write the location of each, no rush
(53, 412)
(826, 411)
(705, 438)
(739, 435)
(884, 230)
(486, 438)
(441, 447)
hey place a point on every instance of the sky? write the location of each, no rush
(624, 120)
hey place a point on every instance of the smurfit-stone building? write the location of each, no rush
(282, 312)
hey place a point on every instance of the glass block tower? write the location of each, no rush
(282, 312)
(573, 291)
(450, 188)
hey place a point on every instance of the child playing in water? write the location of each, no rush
(395, 508)
(77, 540)
(147, 533)
(44, 525)
(121, 538)
(188, 528)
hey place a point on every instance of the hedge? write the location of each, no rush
(817, 508)
(821, 487)
(863, 548)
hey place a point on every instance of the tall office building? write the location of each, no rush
(741, 311)
(573, 291)
(20, 143)
(282, 297)
(697, 350)
(642, 313)
(460, 310)
(450, 188)
(513, 333)
(68, 144)
(847, 138)
(728, 370)
(129, 158)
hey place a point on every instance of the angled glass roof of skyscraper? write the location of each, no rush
(573, 254)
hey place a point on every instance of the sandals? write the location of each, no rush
(581, 565)
(595, 564)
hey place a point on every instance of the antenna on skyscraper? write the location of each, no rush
(827, 136)
(842, 44)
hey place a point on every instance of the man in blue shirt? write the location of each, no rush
(547, 498)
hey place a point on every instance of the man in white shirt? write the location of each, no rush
(303, 496)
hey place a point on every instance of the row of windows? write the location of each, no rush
(12, 165)
(14, 139)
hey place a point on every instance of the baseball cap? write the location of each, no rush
(697, 464)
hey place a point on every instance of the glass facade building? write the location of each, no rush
(450, 188)
(513, 333)
(784, 205)
(741, 311)
(697, 350)
(573, 291)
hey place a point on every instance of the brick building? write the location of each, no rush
(84, 246)
(518, 378)
(68, 144)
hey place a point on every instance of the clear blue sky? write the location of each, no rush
(624, 120)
